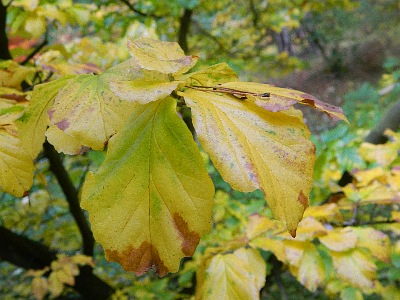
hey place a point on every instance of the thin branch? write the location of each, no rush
(71, 195)
(135, 10)
(36, 50)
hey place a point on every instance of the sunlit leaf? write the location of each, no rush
(256, 149)
(86, 110)
(63, 142)
(276, 246)
(12, 74)
(32, 125)
(164, 57)
(259, 225)
(355, 267)
(341, 239)
(275, 99)
(324, 213)
(374, 240)
(237, 275)
(144, 202)
(311, 272)
(210, 76)
(309, 228)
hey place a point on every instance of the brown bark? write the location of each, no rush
(184, 29)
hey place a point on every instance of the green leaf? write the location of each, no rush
(151, 200)
(256, 149)
(238, 275)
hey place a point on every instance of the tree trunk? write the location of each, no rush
(4, 51)
(29, 254)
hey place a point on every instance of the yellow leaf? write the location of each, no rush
(294, 251)
(311, 272)
(12, 74)
(390, 292)
(260, 225)
(324, 213)
(164, 57)
(88, 112)
(35, 25)
(39, 287)
(274, 99)
(55, 284)
(63, 142)
(342, 239)
(374, 240)
(275, 246)
(16, 166)
(238, 275)
(143, 91)
(32, 125)
(210, 76)
(308, 229)
(151, 199)
(256, 149)
(365, 177)
(355, 267)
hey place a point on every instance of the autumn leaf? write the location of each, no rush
(256, 149)
(355, 267)
(275, 99)
(16, 166)
(33, 123)
(237, 275)
(86, 110)
(164, 57)
(311, 270)
(340, 239)
(144, 202)
(210, 76)
(376, 241)
(12, 74)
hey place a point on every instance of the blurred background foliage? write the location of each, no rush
(342, 51)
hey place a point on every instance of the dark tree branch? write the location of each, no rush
(184, 29)
(4, 51)
(36, 50)
(135, 10)
(29, 254)
(71, 195)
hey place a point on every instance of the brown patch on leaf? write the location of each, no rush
(190, 239)
(303, 199)
(63, 124)
(334, 112)
(15, 97)
(293, 233)
(139, 260)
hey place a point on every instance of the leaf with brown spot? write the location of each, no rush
(282, 98)
(151, 200)
(253, 148)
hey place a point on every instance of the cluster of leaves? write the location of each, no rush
(61, 272)
(132, 103)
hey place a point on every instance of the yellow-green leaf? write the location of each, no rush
(32, 125)
(256, 149)
(210, 76)
(355, 267)
(86, 110)
(63, 142)
(238, 275)
(340, 240)
(374, 240)
(164, 57)
(311, 270)
(151, 200)
(281, 98)
(12, 74)
(143, 91)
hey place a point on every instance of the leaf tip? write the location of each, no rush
(293, 232)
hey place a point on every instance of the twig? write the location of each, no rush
(36, 50)
(71, 195)
(135, 10)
